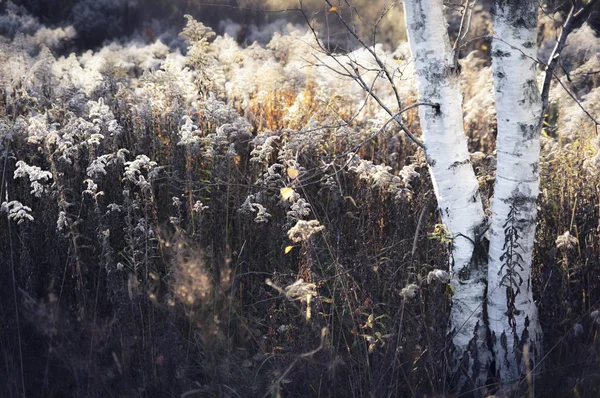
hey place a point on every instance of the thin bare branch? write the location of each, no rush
(365, 141)
(277, 383)
(369, 49)
(465, 25)
(397, 118)
(577, 101)
(376, 24)
(575, 19)
(350, 70)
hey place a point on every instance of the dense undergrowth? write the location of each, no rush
(242, 221)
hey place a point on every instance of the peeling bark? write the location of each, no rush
(455, 186)
(513, 318)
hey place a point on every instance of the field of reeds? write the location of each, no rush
(212, 218)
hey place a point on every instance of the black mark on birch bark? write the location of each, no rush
(528, 44)
(531, 93)
(529, 131)
(501, 54)
(459, 163)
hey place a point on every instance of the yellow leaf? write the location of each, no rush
(287, 193)
(288, 249)
(293, 173)
(334, 9)
(484, 47)
(237, 159)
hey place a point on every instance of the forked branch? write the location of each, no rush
(350, 70)
(576, 17)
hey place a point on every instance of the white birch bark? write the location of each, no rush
(512, 313)
(455, 185)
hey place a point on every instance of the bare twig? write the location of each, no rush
(275, 388)
(588, 114)
(351, 71)
(362, 83)
(256, 9)
(463, 30)
(383, 14)
(575, 19)
(416, 238)
(395, 117)
(371, 50)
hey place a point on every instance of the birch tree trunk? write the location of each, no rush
(512, 313)
(455, 185)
